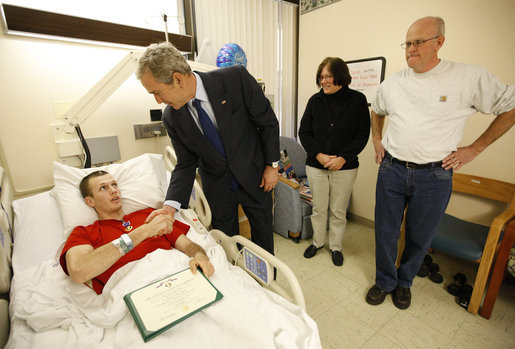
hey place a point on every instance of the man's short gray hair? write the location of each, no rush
(440, 25)
(162, 60)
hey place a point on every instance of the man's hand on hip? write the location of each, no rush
(460, 157)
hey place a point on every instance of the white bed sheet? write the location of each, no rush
(48, 310)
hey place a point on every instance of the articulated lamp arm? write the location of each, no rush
(85, 106)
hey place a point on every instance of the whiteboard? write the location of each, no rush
(366, 75)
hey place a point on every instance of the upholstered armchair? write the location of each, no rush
(292, 216)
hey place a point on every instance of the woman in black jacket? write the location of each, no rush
(334, 129)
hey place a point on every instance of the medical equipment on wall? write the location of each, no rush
(66, 131)
(69, 129)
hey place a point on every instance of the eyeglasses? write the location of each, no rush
(325, 77)
(416, 43)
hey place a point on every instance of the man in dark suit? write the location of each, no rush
(221, 123)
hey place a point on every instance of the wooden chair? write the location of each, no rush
(498, 270)
(469, 240)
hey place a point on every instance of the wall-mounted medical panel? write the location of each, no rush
(149, 130)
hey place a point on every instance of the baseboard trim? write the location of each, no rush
(361, 220)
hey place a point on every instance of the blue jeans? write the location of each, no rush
(424, 193)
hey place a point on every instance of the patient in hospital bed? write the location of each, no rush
(49, 310)
(93, 253)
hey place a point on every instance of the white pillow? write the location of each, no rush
(142, 182)
(33, 244)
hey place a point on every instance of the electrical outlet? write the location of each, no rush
(71, 161)
(149, 130)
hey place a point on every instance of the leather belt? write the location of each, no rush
(414, 165)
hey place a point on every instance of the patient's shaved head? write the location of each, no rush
(84, 183)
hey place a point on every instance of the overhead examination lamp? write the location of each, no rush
(83, 109)
(104, 88)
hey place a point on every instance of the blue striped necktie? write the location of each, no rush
(209, 128)
(212, 135)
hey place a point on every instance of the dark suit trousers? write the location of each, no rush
(258, 214)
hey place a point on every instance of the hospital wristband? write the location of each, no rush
(123, 245)
(127, 241)
(117, 244)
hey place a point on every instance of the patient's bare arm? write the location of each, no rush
(84, 262)
(199, 256)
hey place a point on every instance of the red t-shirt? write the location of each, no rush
(104, 231)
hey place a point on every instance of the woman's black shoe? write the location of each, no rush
(311, 251)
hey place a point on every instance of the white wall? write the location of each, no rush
(36, 72)
(477, 31)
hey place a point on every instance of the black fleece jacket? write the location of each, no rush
(336, 124)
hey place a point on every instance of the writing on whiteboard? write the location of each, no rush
(366, 75)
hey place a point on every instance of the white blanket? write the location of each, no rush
(48, 310)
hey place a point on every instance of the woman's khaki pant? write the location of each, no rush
(331, 193)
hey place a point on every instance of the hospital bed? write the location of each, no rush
(48, 310)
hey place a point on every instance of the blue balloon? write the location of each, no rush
(231, 54)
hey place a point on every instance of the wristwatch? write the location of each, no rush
(274, 164)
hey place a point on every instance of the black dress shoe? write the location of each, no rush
(375, 295)
(423, 271)
(424, 268)
(337, 258)
(401, 297)
(311, 251)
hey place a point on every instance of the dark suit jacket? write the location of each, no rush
(249, 131)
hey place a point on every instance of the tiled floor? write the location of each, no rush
(335, 299)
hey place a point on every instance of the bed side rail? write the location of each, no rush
(229, 243)
(6, 222)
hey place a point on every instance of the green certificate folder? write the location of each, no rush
(164, 303)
